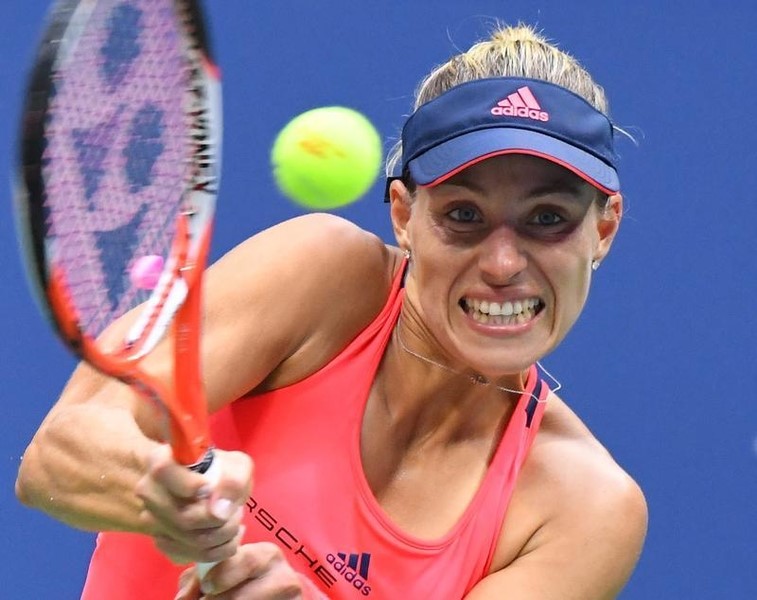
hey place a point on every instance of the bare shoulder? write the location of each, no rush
(577, 521)
(311, 243)
(293, 295)
(581, 472)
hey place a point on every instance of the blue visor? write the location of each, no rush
(508, 115)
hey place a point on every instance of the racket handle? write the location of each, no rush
(212, 472)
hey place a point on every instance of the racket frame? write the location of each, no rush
(176, 302)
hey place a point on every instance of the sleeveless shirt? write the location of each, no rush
(311, 496)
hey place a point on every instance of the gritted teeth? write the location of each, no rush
(505, 309)
(502, 313)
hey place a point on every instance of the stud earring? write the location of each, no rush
(595, 265)
(407, 254)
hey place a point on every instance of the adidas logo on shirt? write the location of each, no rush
(521, 103)
(354, 568)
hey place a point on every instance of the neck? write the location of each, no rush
(410, 338)
(426, 399)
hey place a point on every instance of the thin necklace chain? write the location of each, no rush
(477, 379)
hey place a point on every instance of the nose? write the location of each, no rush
(501, 256)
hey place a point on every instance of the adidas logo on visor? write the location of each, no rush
(521, 103)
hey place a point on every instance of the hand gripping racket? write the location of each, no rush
(117, 183)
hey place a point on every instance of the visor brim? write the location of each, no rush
(443, 161)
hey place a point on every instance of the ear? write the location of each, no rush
(400, 209)
(608, 224)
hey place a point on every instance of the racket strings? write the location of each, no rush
(117, 157)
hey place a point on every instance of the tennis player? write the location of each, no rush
(405, 443)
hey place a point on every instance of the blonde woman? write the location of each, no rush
(405, 444)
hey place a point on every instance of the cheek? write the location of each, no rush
(433, 282)
(429, 283)
(578, 289)
(571, 277)
(431, 261)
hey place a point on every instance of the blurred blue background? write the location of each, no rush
(662, 366)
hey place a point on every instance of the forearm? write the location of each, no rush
(82, 468)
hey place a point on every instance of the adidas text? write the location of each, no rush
(349, 574)
(522, 111)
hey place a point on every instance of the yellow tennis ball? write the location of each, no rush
(326, 157)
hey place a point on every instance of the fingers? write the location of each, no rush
(175, 480)
(179, 481)
(256, 571)
(190, 518)
(168, 488)
(204, 545)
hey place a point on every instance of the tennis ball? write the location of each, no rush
(326, 157)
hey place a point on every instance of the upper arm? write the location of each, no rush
(285, 301)
(309, 283)
(587, 550)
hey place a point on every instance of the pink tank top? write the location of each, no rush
(312, 498)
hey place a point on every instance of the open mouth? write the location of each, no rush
(502, 313)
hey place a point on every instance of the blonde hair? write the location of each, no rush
(510, 51)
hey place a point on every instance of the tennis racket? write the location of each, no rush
(117, 183)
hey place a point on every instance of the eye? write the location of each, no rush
(548, 218)
(551, 223)
(464, 214)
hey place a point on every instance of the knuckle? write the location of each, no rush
(256, 558)
(270, 552)
(158, 462)
(147, 521)
(249, 559)
(241, 464)
(141, 488)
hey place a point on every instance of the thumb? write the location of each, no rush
(230, 479)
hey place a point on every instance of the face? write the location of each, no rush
(501, 260)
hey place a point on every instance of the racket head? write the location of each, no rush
(119, 161)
